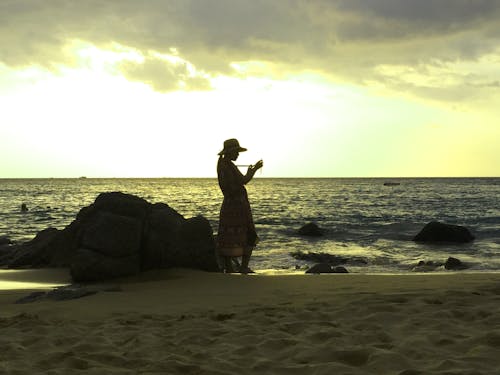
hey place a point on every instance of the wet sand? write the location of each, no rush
(190, 322)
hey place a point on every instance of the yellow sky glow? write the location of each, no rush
(113, 108)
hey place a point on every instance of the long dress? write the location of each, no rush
(236, 235)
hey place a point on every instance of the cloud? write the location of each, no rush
(345, 39)
(164, 75)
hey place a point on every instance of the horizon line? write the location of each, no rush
(256, 177)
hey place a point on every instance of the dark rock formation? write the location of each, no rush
(319, 257)
(454, 264)
(320, 268)
(439, 232)
(333, 260)
(5, 241)
(310, 229)
(430, 265)
(120, 235)
(326, 268)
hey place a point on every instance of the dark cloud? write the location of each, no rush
(347, 39)
(435, 13)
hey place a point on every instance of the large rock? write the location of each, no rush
(196, 243)
(113, 235)
(162, 237)
(90, 265)
(439, 232)
(119, 235)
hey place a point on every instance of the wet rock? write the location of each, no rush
(320, 268)
(319, 257)
(430, 265)
(454, 264)
(439, 232)
(333, 260)
(311, 230)
(326, 268)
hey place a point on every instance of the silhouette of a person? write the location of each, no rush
(236, 235)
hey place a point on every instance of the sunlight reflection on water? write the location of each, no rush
(33, 279)
(19, 285)
(361, 217)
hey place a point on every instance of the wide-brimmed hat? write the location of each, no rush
(231, 145)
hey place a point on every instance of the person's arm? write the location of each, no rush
(251, 171)
(230, 179)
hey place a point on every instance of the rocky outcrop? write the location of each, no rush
(120, 235)
(439, 232)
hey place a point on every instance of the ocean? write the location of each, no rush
(361, 217)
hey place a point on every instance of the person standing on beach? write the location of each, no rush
(236, 235)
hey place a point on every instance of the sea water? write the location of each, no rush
(361, 217)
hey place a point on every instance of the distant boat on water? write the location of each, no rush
(392, 183)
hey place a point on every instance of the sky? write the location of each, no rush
(315, 88)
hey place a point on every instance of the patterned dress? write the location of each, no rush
(236, 235)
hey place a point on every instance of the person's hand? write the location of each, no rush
(254, 168)
(258, 165)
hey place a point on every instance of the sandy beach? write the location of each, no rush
(190, 322)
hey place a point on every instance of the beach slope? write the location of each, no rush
(192, 322)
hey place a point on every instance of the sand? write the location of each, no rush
(189, 322)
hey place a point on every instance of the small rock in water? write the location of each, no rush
(310, 229)
(326, 268)
(320, 268)
(439, 232)
(454, 264)
(319, 257)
